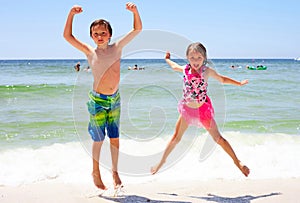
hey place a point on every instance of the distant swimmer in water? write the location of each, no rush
(77, 67)
(135, 67)
(235, 67)
(87, 69)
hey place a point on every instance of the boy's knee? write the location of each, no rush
(115, 141)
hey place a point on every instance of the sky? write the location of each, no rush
(228, 28)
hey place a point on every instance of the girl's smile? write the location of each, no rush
(195, 59)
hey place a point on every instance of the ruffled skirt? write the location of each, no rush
(200, 117)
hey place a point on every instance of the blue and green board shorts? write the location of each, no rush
(104, 115)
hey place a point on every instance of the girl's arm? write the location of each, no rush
(175, 66)
(224, 79)
(137, 26)
(68, 31)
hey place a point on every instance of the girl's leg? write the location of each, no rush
(180, 128)
(214, 132)
(96, 148)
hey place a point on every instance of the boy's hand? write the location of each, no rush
(131, 7)
(76, 9)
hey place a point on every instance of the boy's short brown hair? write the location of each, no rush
(101, 22)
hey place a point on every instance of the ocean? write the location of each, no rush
(44, 122)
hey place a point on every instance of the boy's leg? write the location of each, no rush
(113, 122)
(96, 148)
(114, 150)
(214, 132)
(181, 127)
(98, 119)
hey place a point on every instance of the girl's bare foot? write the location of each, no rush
(244, 169)
(155, 169)
(97, 180)
(116, 179)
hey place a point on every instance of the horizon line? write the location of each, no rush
(238, 58)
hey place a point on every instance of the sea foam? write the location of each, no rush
(267, 156)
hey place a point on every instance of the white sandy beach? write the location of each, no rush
(243, 191)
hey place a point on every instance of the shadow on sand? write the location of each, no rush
(241, 199)
(209, 198)
(137, 199)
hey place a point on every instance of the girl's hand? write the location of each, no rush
(131, 7)
(244, 82)
(76, 9)
(168, 55)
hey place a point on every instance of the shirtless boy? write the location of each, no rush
(104, 103)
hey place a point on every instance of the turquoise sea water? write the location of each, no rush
(42, 102)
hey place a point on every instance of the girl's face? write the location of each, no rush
(196, 59)
(100, 35)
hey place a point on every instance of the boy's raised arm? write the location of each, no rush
(137, 22)
(137, 25)
(68, 31)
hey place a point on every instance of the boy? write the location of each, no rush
(104, 104)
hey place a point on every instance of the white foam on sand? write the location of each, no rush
(268, 156)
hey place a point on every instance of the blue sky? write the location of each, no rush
(228, 28)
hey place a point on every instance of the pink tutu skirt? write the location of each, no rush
(200, 117)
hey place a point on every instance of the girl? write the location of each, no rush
(195, 108)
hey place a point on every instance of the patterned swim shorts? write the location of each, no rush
(104, 115)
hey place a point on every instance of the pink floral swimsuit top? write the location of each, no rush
(195, 87)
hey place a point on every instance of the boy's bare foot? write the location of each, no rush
(116, 179)
(97, 180)
(244, 169)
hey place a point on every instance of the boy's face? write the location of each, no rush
(195, 59)
(100, 34)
